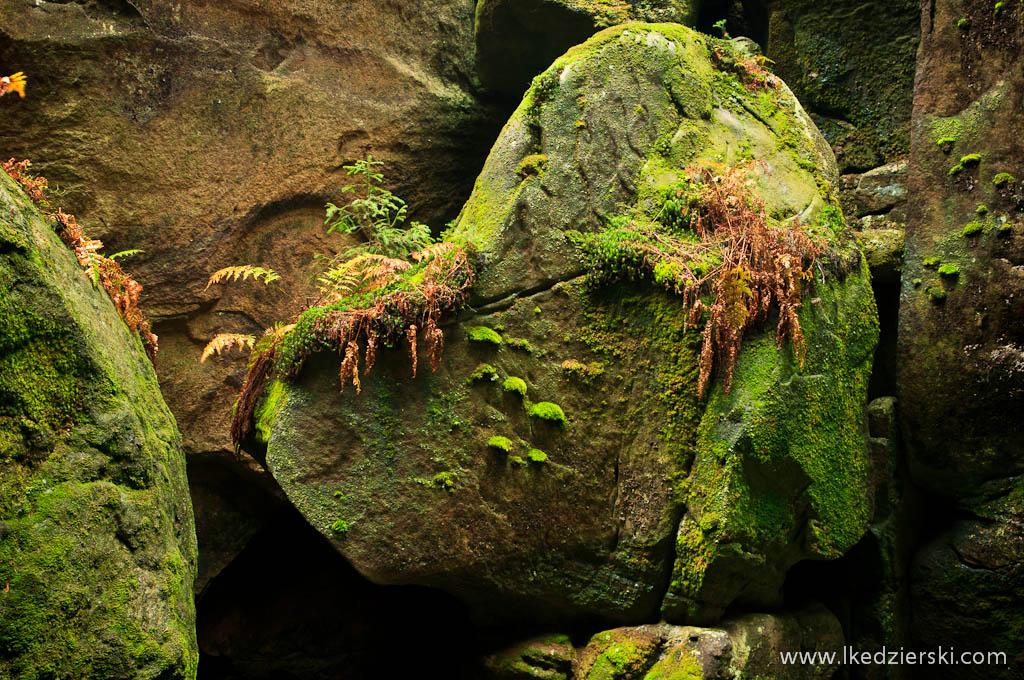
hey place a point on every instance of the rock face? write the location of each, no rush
(644, 487)
(97, 545)
(211, 135)
(747, 647)
(962, 326)
(851, 63)
(518, 39)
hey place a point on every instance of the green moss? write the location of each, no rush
(545, 410)
(500, 443)
(936, 293)
(1004, 229)
(266, 411)
(482, 372)
(946, 143)
(981, 210)
(340, 527)
(532, 166)
(999, 7)
(444, 480)
(970, 160)
(516, 461)
(949, 270)
(963, 23)
(520, 344)
(483, 334)
(537, 456)
(931, 262)
(513, 384)
(956, 169)
(679, 664)
(972, 229)
(1003, 178)
(580, 125)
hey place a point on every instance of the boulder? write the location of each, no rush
(750, 646)
(97, 544)
(643, 485)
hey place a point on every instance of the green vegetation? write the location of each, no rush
(981, 210)
(517, 385)
(340, 527)
(545, 410)
(532, 166)
(537, 456)
(482, 372)
(936, 293)
(963, 23)
(1003, 178)
(946, 143)
(973, 229)
(949, 270)
(483, 334)
(500, 443)
(931, 262)
(520, 344)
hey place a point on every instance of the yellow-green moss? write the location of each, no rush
(546, 410)
(484, 335)
(500, 443)
(516, 385)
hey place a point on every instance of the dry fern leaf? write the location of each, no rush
(222, 342)
(243, 272)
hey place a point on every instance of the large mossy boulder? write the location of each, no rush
(97, 545)
(560, 462)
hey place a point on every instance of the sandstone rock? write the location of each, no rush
(213, 134)
(962, 311)
(769, 474)
(883, 249)
(746, 647)
(518, 39)
(548, 657)
(851, 65)
(962, 331)
(98, 549)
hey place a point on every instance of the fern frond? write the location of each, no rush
(126, 253)
(243, 272)
(222, 342)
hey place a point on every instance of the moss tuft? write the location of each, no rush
(949, 270)
(545, 410)
(936, 294)
(482, 372)
(1003, 178)
(973, 229)
(500, 443)
(483, 334)
(520, 344)
(931, 262)
(537, 456)
(513, 384)
(532, 166)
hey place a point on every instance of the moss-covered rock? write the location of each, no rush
(851, 63)
(745, 647)
(97, 545)
(769, 474)
(961, 340)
